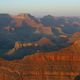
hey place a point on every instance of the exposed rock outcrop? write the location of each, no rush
(18, 45)
(29, 20)
(61, 65)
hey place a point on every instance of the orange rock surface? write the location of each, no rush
(60, 65)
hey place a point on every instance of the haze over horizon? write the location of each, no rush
(41, 7)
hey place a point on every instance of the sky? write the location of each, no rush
(41, 7)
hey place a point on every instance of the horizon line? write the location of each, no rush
(15, 14)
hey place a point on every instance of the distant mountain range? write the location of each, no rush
(27, 34)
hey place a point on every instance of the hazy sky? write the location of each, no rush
(41, 7)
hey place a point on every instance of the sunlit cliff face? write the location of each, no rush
(62, 63)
